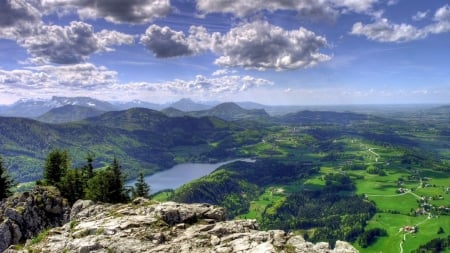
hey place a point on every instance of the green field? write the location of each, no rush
(427, 230)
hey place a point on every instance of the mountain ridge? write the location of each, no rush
(69, 113)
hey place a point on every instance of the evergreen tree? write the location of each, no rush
(107, 185)
(97, 187)
(88, 169)
(117, 182)
(56, 165)
(141, 188)
(72, 185)
(5, 181)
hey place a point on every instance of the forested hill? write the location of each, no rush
(69, 113)
(140, 138)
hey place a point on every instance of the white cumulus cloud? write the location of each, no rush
(260, 45)
(70, 44)
(257, 45)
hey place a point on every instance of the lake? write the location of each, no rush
(181, 174)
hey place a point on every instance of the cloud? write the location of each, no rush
(420, 15)
(116, 11)
(442, 21)
(358, 6)
(257, 45)
(222, 72)
(383, 30)
(77, 76)
(77, 79)
(70, 44)
(214, 85)
(18, 18)
(164, 42)
(311, 9)
(260, 45)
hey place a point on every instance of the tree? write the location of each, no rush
(141, 188)
(6, 183)
(107, 185)
(117, 189)
(56, 165)
(88, 169)
(72, 185)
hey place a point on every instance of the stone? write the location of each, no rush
(28, 213)
(141, 226)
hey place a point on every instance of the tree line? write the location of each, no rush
(102, 184)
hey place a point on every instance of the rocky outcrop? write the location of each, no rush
(24, 215)
(143, 226)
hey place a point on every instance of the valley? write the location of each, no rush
(379, 179)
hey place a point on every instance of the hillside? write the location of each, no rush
(225, 111)
(142, 139)
(187, 105)
(69, 113)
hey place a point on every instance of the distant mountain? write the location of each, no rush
(226, 111)
(69, 113)
(322, 117)
(187, 105)
(172, 112)
(32, 108)
(252, 105)
(137, 104)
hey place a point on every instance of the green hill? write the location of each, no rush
(225, 111)
(69, 113)
(142, 139)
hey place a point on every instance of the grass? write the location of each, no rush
(427, 230)
(400, 203)
(41, 236)
(269, 200)
(162, 196)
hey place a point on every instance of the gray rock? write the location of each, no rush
(168, 227)
(26, 214)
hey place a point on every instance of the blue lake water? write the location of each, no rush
(181, 174)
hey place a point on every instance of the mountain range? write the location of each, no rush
(33, 108)
(226, 111)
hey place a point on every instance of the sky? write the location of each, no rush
(275, 52)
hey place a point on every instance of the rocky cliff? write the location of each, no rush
(24, 215)
(144, 226)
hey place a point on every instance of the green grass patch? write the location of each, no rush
(269, 201)
(162, 196)
(427, 230)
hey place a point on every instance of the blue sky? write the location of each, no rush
(273, 52)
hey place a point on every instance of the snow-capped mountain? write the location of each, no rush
(32, 108)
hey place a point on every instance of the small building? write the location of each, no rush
(409, 229)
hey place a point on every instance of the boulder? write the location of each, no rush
(26, 214)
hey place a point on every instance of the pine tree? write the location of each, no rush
(141, 188)
(107, 185)
(56, 165)
(88, 169)
(6, 183)
(72, 185)
(117, 190)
